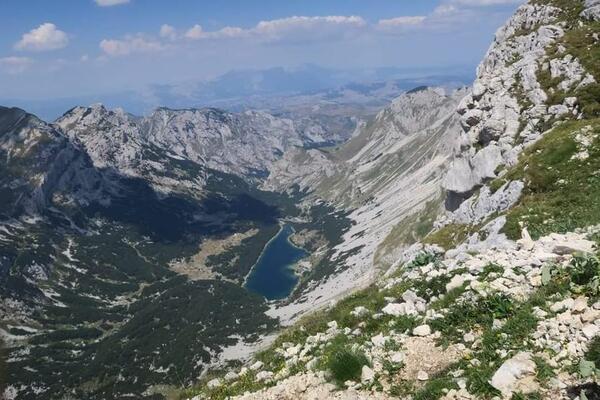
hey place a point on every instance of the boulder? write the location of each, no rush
(264, 376)
(513, 375)
(394, 309)
(397, 357)
(422, 330)
(573, 246)
(492, 131)
(231, 376)
(256, 366)
(456, 282)
(460, 178)
(486, 161)
(590, 331)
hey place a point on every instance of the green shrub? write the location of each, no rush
(593, 353)
(346, 365)
(436, 388)
(422, 259)
(584, 270)
(543, 370)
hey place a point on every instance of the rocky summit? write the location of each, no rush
(448, 243)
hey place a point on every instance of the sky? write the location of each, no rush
(64, 48)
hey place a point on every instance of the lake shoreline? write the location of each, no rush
(275, 271)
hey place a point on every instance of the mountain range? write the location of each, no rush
(126, 241)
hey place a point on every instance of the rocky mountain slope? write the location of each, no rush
(41, 166)
(88, 276)
(499, 296)
(244, 144)
(383, 177)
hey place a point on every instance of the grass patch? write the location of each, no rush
(449, 236)
(468, 315)
(346, 365)
(561, 192)
(593, 353)
(544, 371)
(490, 269)
(436, 387)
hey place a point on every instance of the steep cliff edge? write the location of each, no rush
(527, 127)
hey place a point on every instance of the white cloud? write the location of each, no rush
(448, 15)
(303, 28)
(43, 38)
(195, 32)
(445, 9)
(15, 65)
(109, 3)
(129, 45)
(296, 28)
(168, 32)
(487, 2)
(407, 21)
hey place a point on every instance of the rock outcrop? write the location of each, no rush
(174, 149)
(41, 167)
(507, 108)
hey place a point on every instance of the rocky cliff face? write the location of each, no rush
(41, 167)
(513, 101)
(154, 147)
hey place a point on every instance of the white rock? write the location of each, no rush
(590, 331)
(422, 376)
(394, 309)
(379, 340)
(526, 242)
(468, 338)
(360, 311)
(397, 358)
(580, 304)
(367, 375)
(231, 376)
(256, 366)
(214, 383)
(456, 282)
(422, 330)
(263, 376)
(507, 377)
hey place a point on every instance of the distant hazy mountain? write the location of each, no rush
(269, 89)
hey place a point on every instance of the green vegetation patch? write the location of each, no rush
(449, 236)
(346, 365)
(562, 185)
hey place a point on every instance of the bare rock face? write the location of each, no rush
(592, 9)
(174, 148)
(491, 113)
(41, 167)
(508, 108)
(478, 207)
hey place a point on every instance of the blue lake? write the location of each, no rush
(272, 276)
